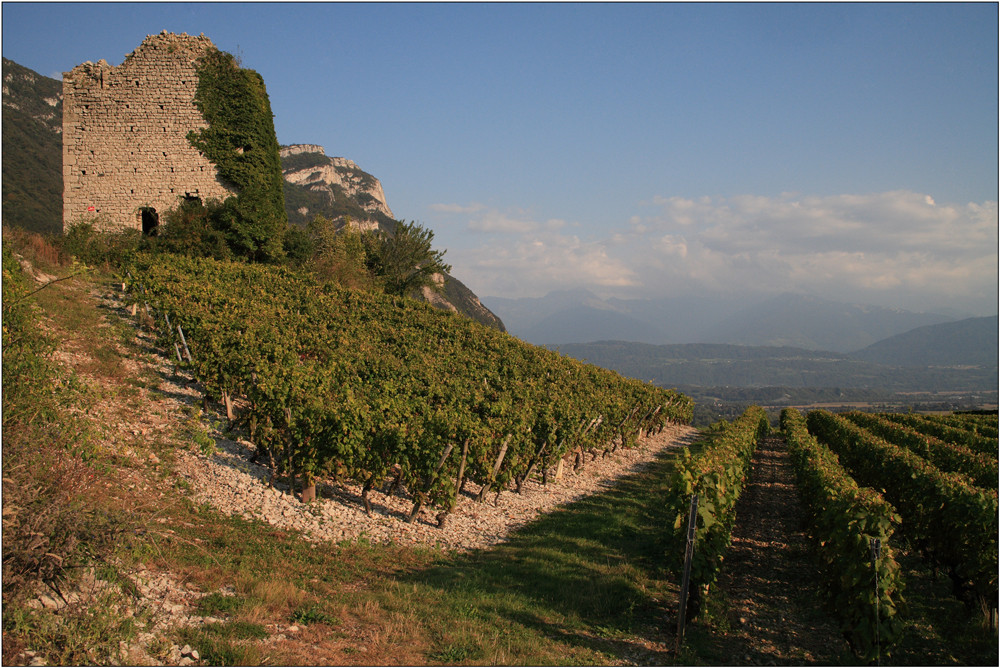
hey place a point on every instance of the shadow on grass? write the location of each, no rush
(590, 574)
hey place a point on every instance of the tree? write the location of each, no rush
(405, 260)
(340, 253)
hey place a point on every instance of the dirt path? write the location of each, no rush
(776, 614)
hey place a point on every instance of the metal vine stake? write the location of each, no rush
(686, 579)
(876, 549)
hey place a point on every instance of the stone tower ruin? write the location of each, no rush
(126, 156)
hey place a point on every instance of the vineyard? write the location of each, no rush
(873, 486)
(384, 391)
(363, 397)
(374, 388)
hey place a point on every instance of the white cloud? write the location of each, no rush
(520, 256)
(457, 208)
(881, 246)
(895, 248)
(496, 222)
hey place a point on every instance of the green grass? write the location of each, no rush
(940, 630)
(576, 586)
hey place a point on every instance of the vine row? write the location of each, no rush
(954, 522)
(844, 520)
(927, 425)
(380, 389)
(716, 474)
(981, 469)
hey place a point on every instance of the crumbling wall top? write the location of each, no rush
(181, 47)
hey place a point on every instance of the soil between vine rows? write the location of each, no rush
(775, 613)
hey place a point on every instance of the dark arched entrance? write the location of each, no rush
(150, 220)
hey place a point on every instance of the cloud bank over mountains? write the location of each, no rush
(897, 248)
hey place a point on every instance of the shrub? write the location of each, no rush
(194, 229)
(240, 140)
(109, 249)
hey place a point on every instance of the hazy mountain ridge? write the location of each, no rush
(817, 324)
(544, 320)
(970, 342)
(799, 321)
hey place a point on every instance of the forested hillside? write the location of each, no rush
(32, 149)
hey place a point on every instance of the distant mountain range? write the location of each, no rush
(801, 321)
(577, 316)
(788, 341)
(971, 342)
(719, 365)
(314, 183)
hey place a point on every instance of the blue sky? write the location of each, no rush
(639, 150)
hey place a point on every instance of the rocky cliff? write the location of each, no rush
(335, 188)
(338, 189)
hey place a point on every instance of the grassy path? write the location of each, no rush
(584, 584)
(774, 612)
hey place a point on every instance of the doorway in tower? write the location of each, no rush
(150, 221)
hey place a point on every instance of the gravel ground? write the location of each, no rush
(231, 483)
(770, 577)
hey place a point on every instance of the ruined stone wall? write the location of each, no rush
(125, 129)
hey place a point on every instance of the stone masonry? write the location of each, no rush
(126, 157)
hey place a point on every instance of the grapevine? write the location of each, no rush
(372, 387)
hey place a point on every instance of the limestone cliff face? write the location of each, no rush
(332, 187)
(35, 96)
(336, 188)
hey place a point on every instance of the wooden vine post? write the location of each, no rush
(581, 456)
(460, 479)
(531, 466)
(459, 482)
(187, 351)
(308, 488)
(369, 483)
(230, 415)
(876, 550)
(496, 469)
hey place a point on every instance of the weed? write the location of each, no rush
(194, 431)
(219, 604)
(312, 614)
(76, 635)
(220, 651)
(466, 610)
(458, 652)
(277, 596)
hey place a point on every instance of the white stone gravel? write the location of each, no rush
(231, 483)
